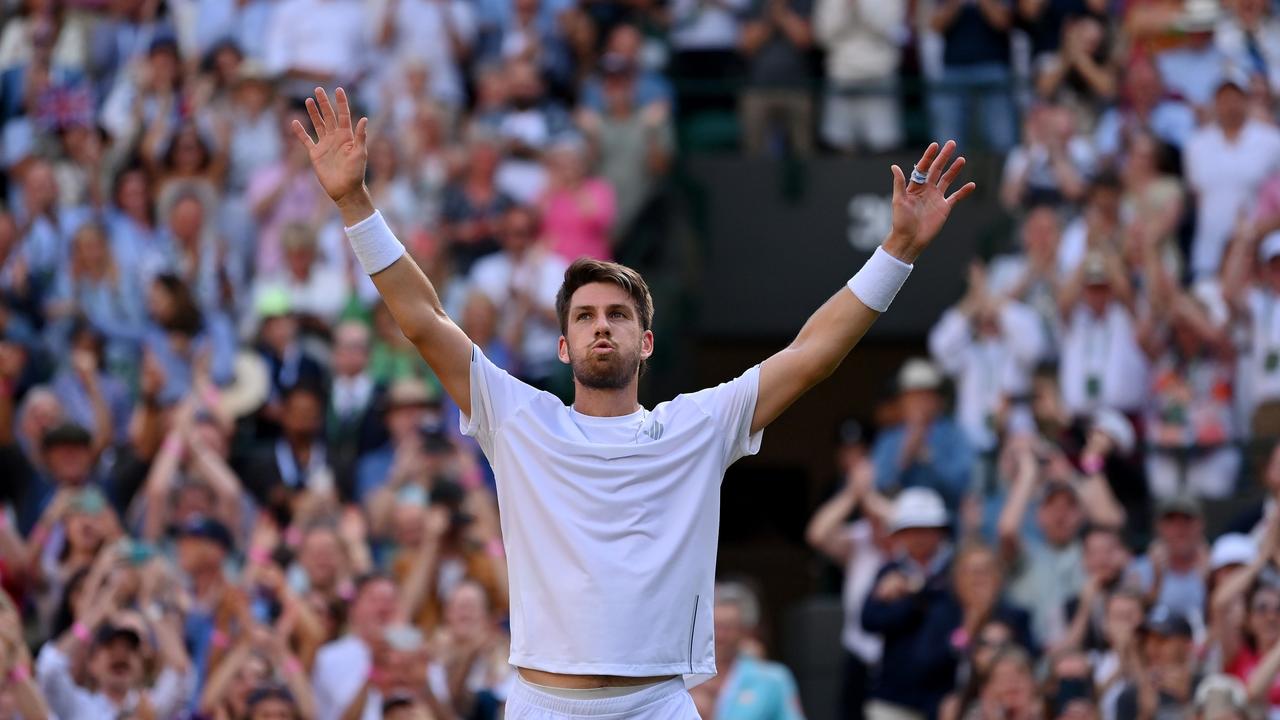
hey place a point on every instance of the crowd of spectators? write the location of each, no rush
(230, 488)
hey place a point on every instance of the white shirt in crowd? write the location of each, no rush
(323, 293)
(611, 523)
(865, 561)
(422, 35)
(1225, 177)
(704, 25)
(863, 38)
(538, 274)
(340, 671)
(1262, 361)
(323, 36)
(68, 700)
(988, 370)
(1102, 365)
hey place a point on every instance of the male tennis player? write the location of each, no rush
(610, 512)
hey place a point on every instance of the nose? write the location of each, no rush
(602, 325)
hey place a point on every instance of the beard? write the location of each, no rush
(613, 371)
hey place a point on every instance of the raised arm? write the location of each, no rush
(338, 156)
(919, 211)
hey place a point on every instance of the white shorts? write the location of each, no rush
(667, 700)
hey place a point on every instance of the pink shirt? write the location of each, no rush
(577, 223)
(302, 201)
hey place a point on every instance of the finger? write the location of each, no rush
(951, 174)
(962, 193)
(940, 162)
(927, 158)
(314, 112)
(326, 109)
(362, 130)
(344, 109)
(302, 134)
(899, 181)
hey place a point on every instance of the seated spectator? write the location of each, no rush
(926, 449)
(410, 404)
(98, 288)
(537, 37)
(140, 100)
(993, 637)
(1080, 74)
(469, 671)
(1010, 685)
(296, 462)
(744, 686)
(1052, 164)
(906, 590)
(1123, 614)
(1172, 573)
(1249, 35)
(1105, 560)
(1226, 162)
(1097, 226)
(341, 675)
(354, 417)
(862, 42)
(523, 278)
(438, 35)
(473, 203)
(68, 460)
(1261, 636)
(281, 345)
(777, 106)
(1031, 275)
(41, 223)
(1152, 205)
(976, 72)
(315, 294)
(1251, 285)
(532, 124)
(283, 192)
(648, 87)
(1163, 672)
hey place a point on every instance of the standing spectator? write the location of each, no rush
(648, 87)
(355, 400)
(281, 193)
(1053, 163)
(1249, 35)
(744, 686)
(577, 210)
(297, 462)
(1163, 671)
(531, 125)
(1031, 275)
(1102, 364)
(905, 591)
(862, 39)
(439, 35)
(1145, 106)
(473, 203)
(1251, 287)
(1226, 163)
(776, 39)
(344, 667)
(976, 72)
(1080, 74)
(860, 548)
(633, 144)
(704, 38)
(469, 670)
(926, 449)
(409, 404)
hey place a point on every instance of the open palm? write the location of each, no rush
(339, 152)
(921, 209)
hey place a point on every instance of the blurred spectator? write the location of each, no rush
(150, 92)
(34, 17)
(704, 38)
(989, 345)
(648, 87)
(926, 449)
(744, 686)
(1032, 274)
(976, 72)
(1080, 74)
(862, 39)
(1053, 163)
(524, 278)
(353, 420)
(1162, 675)
(347, 671)
(1226, 163)
(1249, 35)
(1144, 106)
(469, 669)
(531, 124)
(577, 210)
(283, 192)
(409, 405)
(1172, 573)
(860, 547)
(440, 35)
(906, 590)
(282, 471)
(473, 203)
(316, 42)
(775, 39)
(314, 293)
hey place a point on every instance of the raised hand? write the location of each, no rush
(339, 152)
(921, 209)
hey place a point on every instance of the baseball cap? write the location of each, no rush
(206, 528)
(1165, 621)
(1179, 505)
(918, 507)
(1221, 692)
(108, 633)
(919, 374)
(267, 692)
(66, 434)
(1231, 549)
(1233, 76)
(1054, 487)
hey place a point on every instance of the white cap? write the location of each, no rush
(1117, 427)
(1231, 549)
(1269, 247)
(919, 374)
(1209, 293)
(918, 507)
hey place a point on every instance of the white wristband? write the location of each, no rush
(376, 247)
(879, 280)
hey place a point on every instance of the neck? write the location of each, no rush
(1232, 131)
(301, 447)
(205, 582)
(606, 403)
(117, 695)
(1182, 562)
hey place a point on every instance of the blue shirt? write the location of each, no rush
(946, 468)
(759, 690)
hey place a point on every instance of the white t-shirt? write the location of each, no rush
(326, 36)
(1102, 364)
(1225, 177)
(1263, 378)
(611, 523)
(865, 561)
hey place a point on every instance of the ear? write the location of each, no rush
(562, 350)
(646, 345)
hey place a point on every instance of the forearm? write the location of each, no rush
(797, 29)
(944, 15)
(1236, 585)
(1261, 678)
(998, 15)
(1100, 504)
(826, 523)
(30, 703)
(420, 581)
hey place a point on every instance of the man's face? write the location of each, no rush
(1097, 296)
(69, 464)
(350, 350)
(466, 610)
(919, 543)
(1040, 232)
(603, 340)
(1103, 555)
(197, 555)
(1167, 650)
(117, 666)
(519, 230)
(321, 558)
(1060, 517)
(1230, 106)
(40, 186)
(303, 415)
(375, 606)
(1180, 533)
(186, 219)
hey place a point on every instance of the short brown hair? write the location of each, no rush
(585, 271)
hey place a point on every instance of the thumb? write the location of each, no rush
(899, 182)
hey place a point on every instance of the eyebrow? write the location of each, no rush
(615, 306)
